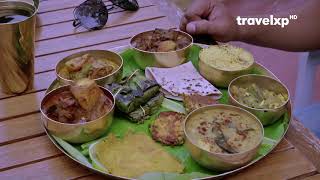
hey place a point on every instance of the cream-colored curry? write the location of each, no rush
(224, 131)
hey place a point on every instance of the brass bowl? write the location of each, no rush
(220, 161)
(80, 132)
(266, 116)
(113, 77)
(220, 77)
(160, 59)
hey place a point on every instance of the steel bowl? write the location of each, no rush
(219, 77)
(220, 161)
(160, 59)
(266, 116)
(80, 132)
(112, 56)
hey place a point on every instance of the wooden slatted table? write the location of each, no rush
(27, 153)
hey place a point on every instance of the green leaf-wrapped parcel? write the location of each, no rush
(144, 112)
(134, 92)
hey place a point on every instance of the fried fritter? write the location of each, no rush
(168, 128)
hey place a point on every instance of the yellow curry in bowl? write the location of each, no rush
(224, 131)
(87, 66)
(257, 97)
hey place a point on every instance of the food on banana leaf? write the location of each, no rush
(83, 102)
(224, 131)
(161, 40)
(257, 97)
(144, 112)
(193, 102)
(135, 92)
(139, 154)
(168, 128)
(87, 66)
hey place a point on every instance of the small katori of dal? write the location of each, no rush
(224, 131)
(226, 57)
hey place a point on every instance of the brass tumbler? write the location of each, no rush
(17, 42)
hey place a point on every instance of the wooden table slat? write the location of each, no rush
(306, 141)
(20, 128)
(56, 168)
(122, 18)
(54, 5)
(65, 15)
(283, 165)
(20, 105)
(315, 177)
(48, 63)
(27, 151)
(284, 145)
(96, 37)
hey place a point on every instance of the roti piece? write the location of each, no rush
(134, 155)
(168, 128)
(194, 102)
(182, 79)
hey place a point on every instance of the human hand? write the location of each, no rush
(210, 17)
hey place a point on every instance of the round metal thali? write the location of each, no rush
(257, 67)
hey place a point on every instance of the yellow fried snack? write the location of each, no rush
(134, 155)
(168, 128)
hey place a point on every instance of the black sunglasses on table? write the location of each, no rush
(93, 14)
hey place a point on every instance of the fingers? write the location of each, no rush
(199, 9)
(184, 21)
(199, 27)
(192, 17)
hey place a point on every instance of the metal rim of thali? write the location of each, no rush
(227, 173)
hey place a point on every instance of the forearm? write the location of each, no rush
(301, 34)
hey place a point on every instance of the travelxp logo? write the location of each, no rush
(266, 21)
